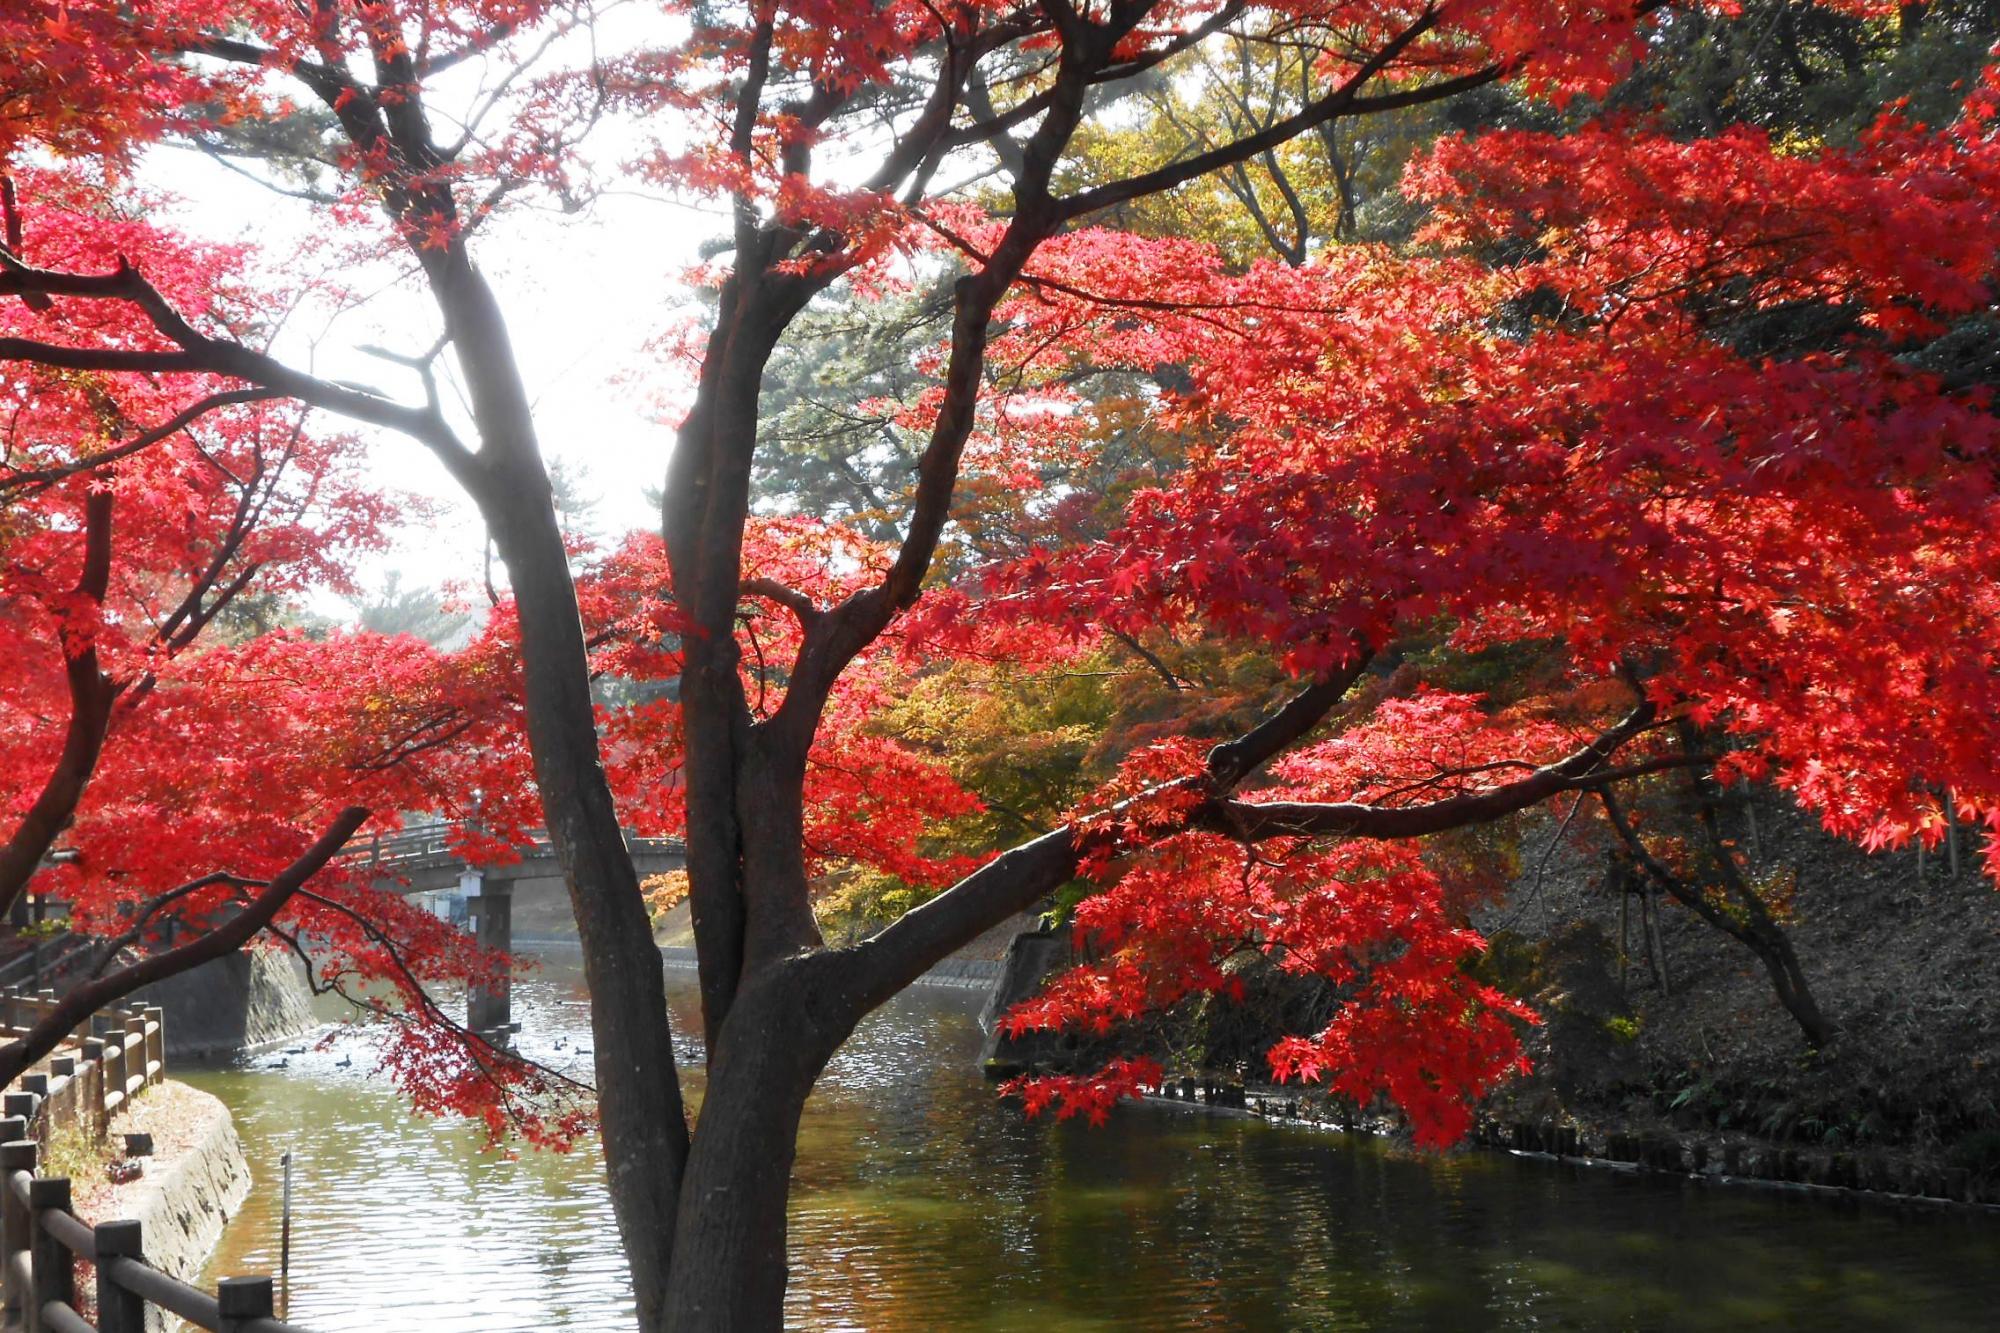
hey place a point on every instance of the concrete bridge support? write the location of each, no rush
(489, 1008)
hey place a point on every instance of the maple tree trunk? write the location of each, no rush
(1754, 928)
(775, 1004)
(638, 1092)
(1788, 979)
(91, 697)
(729, 1268)
(1752, 921)
(769, 1033)
(786, 1020)
(640, 1114)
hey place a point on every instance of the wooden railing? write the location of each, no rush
(110, 1058)
(108, 1061)
(41, 1241)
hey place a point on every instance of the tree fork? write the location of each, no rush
(730, 1266)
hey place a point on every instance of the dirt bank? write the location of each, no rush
(187, 1190)
(1906, 968)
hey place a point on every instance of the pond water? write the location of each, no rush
(922, 1202)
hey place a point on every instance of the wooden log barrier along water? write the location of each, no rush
(41, 1238)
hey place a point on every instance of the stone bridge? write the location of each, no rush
(522, 901)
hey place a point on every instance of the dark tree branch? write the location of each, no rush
(42, 478)
(1168, 676)
(1342, 101)
(152, 908)
(474, 1041)
(14, 237)
(1258, 820)
(74, 1008)
(855, 623)
(91, 695)
(198, 353)
(900, 952)
(790, 598)
(1228, 764)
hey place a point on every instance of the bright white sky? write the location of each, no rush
(583, 295)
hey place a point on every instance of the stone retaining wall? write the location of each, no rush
(964, 973)
(241, 1003)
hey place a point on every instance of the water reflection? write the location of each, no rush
(923, 1204)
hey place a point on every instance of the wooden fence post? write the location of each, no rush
(156, 1042)
(35, 1090)
(17, 1154)
(55, 1271)
(114, 1070)
(241, 1300)
(20, 1104)
(135, 1055)
(91, 1074)
(118, 1310)
(63, 1088)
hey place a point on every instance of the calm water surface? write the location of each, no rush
(923, 1204)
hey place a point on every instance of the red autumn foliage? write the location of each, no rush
(1552, 424)
(1384, 441)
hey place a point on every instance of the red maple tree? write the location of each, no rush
(1546, 424)
(186, 781)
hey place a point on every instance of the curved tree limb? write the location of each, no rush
(91, 695)
(197, 353)
(41, 478)
(74, 1008)
(896, 955)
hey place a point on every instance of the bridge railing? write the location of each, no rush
(418, 844)
(432, 843)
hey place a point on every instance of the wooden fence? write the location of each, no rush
(109, 1060)
(111, 1057)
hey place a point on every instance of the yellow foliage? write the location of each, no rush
(664, 892)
